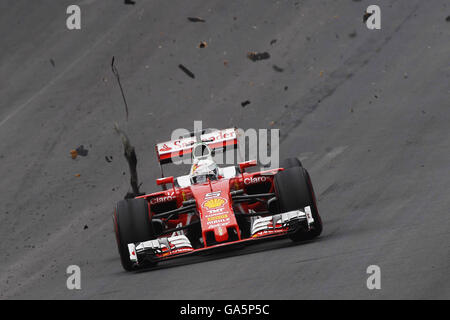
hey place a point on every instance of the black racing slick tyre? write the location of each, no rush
(294, 191)
(290, 163)
(132, 224)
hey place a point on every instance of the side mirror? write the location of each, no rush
(164, 181)
(247, 164)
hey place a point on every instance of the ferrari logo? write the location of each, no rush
(214, 203)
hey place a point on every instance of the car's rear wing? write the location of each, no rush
(215, 139)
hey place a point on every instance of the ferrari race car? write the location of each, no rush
(212, 207)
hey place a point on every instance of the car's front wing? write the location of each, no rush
(179, 245)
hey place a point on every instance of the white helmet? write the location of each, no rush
(203, 167)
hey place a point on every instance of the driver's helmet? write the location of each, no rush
(204, 170)
(204, 167)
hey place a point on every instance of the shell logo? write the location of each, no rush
(214, 203)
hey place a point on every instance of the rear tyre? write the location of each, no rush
(132, 224)
(291, 163)
(294, 191)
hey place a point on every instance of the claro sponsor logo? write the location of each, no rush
(253, 180)
(163, 199)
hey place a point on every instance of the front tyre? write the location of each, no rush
(132, 224)
(294, 191)
(291, 163)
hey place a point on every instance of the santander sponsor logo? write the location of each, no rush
(253, 180)
(219, 136)
(186, 143)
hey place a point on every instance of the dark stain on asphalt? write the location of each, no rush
(245, 103)
(196, 19)
(81, 151)
(258, 56)
(187, 71)
(277, 68)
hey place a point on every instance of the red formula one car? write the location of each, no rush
(214, 207)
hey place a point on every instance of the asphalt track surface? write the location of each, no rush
(367, 111)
